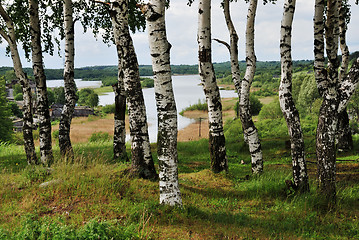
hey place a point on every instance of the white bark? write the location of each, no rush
(69, 82)
(248, 126)
(211, 90)
(40, 79)
(290, 112)
(142, 162)
(10, 37)
(165, 101)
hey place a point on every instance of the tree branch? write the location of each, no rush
(223, 42)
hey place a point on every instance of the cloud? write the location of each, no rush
(181, 21)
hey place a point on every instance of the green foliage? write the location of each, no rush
(35, 173)
(255, 105)
(271, 111)
(19, 97)
(33, 227)
(15, 110)
(5, 113)
(50, 96)
(17, 89)
(99, 137)
(308, 94)
(147, 82)
(110, 108)
(88, 97)
(55, 134)
(59, 93)
(201, 106)
(109, 80)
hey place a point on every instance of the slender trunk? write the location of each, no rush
(344, 138)
(26, 90)
(206, 71)
(119, 138)
(248, 125)
(70, 85)
(166, 105)
(290, 112)
(142, 162)
(233, 48)
(40, 79)
(327, 82)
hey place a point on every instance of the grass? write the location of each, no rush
(94, 198)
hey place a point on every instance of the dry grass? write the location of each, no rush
(83, 127)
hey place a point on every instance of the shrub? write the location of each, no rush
(255, 106)
(100, 137)
(271, 111)
(147, 83)
(201, 106)
(107, 109)
(19, 97)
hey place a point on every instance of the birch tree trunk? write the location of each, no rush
(206, 71)
(165, 101)
(344, 138)
(119, 138)
(249, 128)
(69, 83)
(40, 79)
(142, 162)
(335, 93)
(290, 112)
(10, 37)
(233, 47)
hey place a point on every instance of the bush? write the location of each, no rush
(147, 83)
(107, 109)
(201, 106)
(100, 137)
(15, 109)
(18, 97)
(271, 111)
(255, 106)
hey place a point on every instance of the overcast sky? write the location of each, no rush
(181, 23)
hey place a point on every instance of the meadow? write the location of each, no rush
(93, 197)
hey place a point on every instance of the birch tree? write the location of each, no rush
(142, 162)
(335, 93)
(290, 112)
(249, 128)
(165, 101)
(40, 79)
(119, 138)
(217, 146)
(69, 81)
(10, 36)
(344, 140)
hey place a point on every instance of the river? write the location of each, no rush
(187, 91)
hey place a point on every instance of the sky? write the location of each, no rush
(181, 22)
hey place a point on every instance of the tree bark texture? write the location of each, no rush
(142, 162)
(344, 140)
(40, 79)
(166, 105)
(119, 138)
(206, 71)
(69, 83)
(335, 93)
(233, 47)
(290, 112)
(250, 131)
(28, 124)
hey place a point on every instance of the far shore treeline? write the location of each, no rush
(221, 69)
